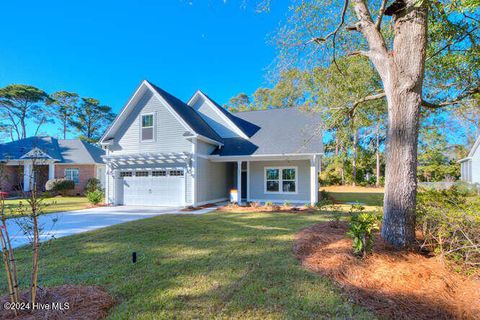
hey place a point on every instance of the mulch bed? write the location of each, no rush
(273, 208)
(85, 302)
(390, 283)
(189, 209)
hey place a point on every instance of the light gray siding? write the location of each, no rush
(169, 132)
(212, 180)
(257, 181)
(204, 148)
(213, 119)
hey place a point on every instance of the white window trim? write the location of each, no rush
(154, 127)
(280, 179)
(71, 169)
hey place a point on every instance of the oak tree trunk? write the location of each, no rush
(403, 82)
(401, 70)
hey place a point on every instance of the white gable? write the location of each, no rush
(35, 153)
(214, 117)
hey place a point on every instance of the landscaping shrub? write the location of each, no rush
(255, 204)
(322, 203)
(323, 195)
(450, 223)
(95, 197)
(287, 204)
(335, 218)
(361, 228)
(93, 184)
(60, 185)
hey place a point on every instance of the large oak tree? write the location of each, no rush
(393, 36)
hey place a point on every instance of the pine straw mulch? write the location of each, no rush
(272, 208)
(191, 208)
(392, 284)
(85, 302)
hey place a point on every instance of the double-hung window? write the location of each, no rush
(281, 180)
(72, 174)
(147, 130)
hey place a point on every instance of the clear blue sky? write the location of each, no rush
(103, 49)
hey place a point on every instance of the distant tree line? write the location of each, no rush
(25, 110)
(355, 137)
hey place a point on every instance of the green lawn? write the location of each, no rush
(349, 194)
(217, 265)
(56, 204)
(369, 199)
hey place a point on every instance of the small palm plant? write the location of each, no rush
(362, 226)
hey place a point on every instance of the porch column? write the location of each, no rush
(107, 183)
(51, 170)
(27, 176)
(313, 180)
(239, 182)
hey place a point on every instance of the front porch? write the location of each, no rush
(21, 176)
(275, 179)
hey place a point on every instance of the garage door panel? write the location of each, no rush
(154, 190)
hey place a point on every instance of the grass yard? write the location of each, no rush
(349, 194)
(56, 204)
(217, 265)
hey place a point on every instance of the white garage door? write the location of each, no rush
(154, 188)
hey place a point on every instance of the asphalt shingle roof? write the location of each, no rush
(190, 116)
(247, 127)
(64, 151)
(282, 131)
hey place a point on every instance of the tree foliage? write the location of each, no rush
(64, 105)
(91, 118)
(20, 103)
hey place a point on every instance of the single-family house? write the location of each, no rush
(163, 151)
(470, 166)
(40, 158)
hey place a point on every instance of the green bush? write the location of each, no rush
(93, 184)
(95, 197)
(287, 204)
(361, 228)
(450, 223)
(322, 203)
(60, 185)
(268, 204)
(323, 195)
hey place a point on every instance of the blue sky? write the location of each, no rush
(103, 49)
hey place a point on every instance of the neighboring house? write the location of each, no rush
(470, 166)
(162, 151)
(53, 158)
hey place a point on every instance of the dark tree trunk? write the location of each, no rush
(403, 86)
(401, 70)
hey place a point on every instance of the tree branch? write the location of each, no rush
(366, 99)
(378, 23)
(459, 99)
(334, 32)
(374, 38)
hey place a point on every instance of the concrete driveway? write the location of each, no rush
(63, 224)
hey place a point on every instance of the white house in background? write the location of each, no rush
(470, 166)
(162, 151)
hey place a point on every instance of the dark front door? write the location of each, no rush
(244, 184)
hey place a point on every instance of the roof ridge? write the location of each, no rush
(175, 106)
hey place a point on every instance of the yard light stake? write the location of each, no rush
(134, 257)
